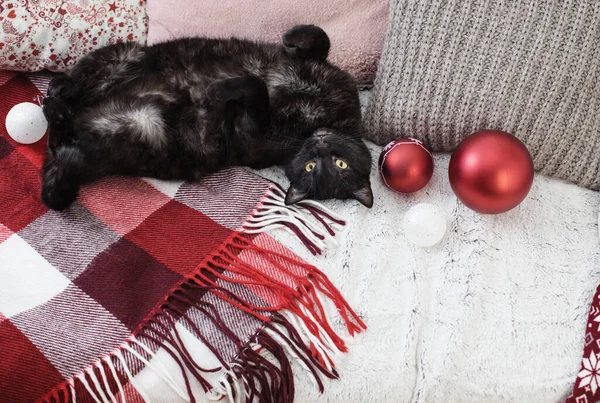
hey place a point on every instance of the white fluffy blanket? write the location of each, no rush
(495, 312)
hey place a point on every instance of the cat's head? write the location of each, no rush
(330, 166)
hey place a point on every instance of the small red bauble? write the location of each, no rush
(491, 172)
(405, 165)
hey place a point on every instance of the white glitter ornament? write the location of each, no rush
(26, 123)
(424, 225)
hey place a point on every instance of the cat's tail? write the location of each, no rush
(61, 177)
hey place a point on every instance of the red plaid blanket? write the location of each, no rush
(136, 269)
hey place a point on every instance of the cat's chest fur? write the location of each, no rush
(295, 98)
(303, 98)
(303, 94)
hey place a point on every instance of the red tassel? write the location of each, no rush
(296, 287)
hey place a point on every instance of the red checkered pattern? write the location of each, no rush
(88, 296)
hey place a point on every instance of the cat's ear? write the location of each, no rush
(364, 195)
(294, 195)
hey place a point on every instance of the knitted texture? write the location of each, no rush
(528, 67)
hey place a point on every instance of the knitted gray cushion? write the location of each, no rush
(528, 67)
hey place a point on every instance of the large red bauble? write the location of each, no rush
(405, 165)
(491, 172)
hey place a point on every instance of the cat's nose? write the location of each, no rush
(320, 134)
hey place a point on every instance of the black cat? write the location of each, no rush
(185, 108)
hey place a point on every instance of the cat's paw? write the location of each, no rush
(61, 87)
(238, 88)
(254, 89)
(59, 198)
(60, 177)
(55, 110)
(307, 42)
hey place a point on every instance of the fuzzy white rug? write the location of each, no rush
(495, 312)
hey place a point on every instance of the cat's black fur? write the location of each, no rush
(185, 108)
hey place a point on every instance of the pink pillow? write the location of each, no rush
(54, 34)
(356, 27)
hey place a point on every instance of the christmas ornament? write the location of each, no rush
(26, 123)
(405, 165)
(491, 172)
(424, 225)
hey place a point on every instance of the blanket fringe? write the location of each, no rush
(295, 326)
(317, 233)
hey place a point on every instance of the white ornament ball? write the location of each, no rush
(424, 225)
(26, 123)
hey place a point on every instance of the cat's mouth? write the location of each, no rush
(321, 133)
(320, 137)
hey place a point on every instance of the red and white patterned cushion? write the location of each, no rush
(54, 34)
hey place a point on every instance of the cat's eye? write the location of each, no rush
(310, 166)
(341, 163)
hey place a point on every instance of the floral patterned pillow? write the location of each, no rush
(54, 34)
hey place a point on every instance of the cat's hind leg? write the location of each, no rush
(60, 122)
(61, 87)
(61, 171)
(61, 177)
(106, 70)
(306, 42)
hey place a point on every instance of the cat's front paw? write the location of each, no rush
(248, 88)
(307, 42)
(61, 87)
(55, 111)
